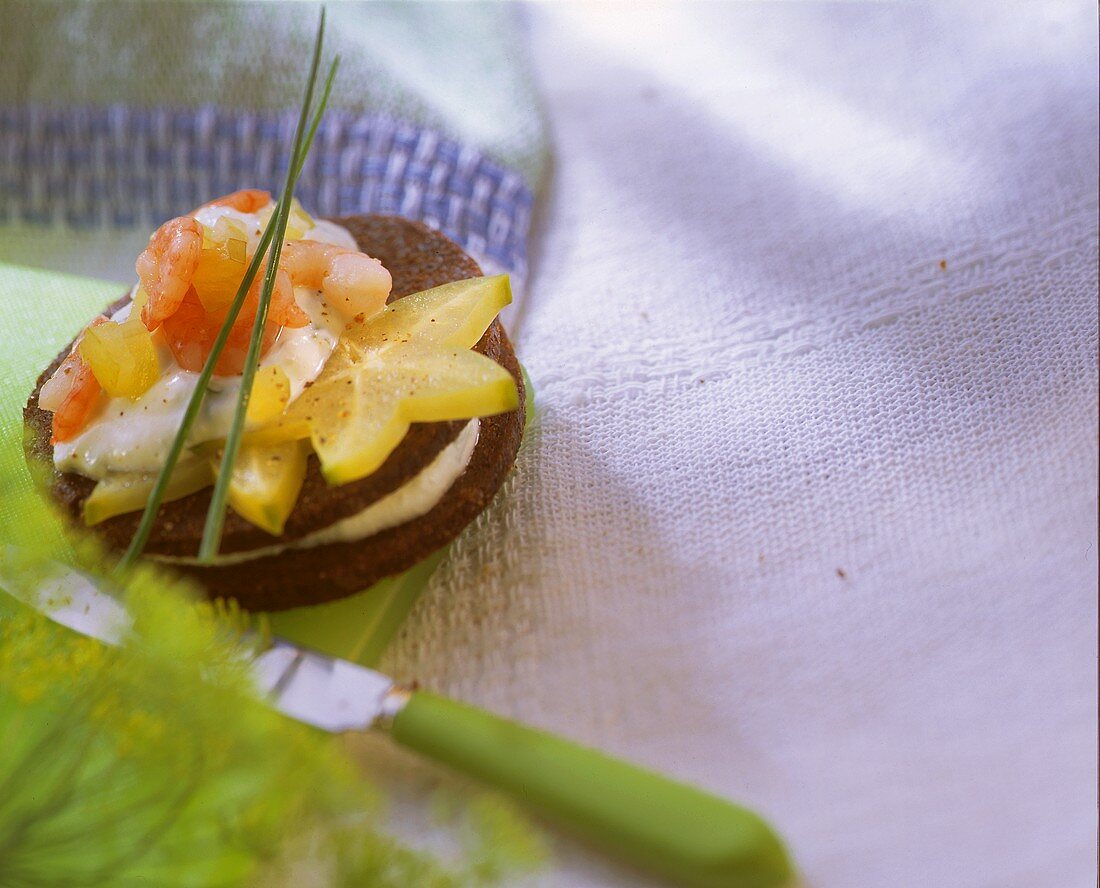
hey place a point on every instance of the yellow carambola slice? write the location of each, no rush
(122, 493)
(265, 486)
(410, 363)
(267, 479)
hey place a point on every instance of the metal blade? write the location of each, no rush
(74, 600)
(322, 691)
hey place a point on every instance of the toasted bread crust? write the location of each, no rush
(418, 258)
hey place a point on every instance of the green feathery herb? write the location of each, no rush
(153, 762)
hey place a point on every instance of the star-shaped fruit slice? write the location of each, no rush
(412, 362)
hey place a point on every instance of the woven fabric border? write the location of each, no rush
(121, 166)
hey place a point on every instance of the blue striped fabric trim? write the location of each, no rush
(121, 166)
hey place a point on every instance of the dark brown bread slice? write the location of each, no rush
(418, 258)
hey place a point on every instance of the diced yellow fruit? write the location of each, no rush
(237, 250)
(219, 272)
(266, 482)
(138, 303)
(122, 493)
(122, 357)
(297, 224)
(269, 397)
(224, 229)
(411, 363)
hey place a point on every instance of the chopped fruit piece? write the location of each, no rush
(219, 272)
(266, 482)
(269, 397)
(411, 363)
(298, 223)
(72, 393)
(122, 357)
(119, 494)
(224, 230)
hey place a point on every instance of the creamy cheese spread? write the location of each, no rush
(410, 501)
(132, 436)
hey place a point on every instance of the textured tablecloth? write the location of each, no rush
(808, 515)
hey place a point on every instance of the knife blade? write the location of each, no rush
(306, 685)
(678, 831)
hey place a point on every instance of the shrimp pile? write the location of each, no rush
(351, 282)
(178, 306)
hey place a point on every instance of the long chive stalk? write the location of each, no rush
(215, 515)
(298, 156)
(156, 496)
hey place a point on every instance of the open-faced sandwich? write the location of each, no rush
(385, 413)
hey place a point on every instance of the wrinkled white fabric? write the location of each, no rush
(808, 514)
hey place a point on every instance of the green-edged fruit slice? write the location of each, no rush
(410, 363)
(126, 492)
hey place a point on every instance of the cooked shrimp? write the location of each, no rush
(352, 283)
(190, 333)
(167, 266)
(248, 200)
(72, 393)
(284, 310)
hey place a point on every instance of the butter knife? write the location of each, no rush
(669, 828)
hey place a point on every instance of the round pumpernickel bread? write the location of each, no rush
(418, 258)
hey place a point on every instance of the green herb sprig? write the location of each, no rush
(272, 238)
(215, 515)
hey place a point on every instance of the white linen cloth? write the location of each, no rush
(808, 514)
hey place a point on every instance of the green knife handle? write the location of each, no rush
(685, 834)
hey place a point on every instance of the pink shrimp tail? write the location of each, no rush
(247, 200)
(284, 310)
(79, 402)
(166, 267)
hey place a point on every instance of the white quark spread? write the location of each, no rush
(331, 233)
(410, 501)
(134, 436)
